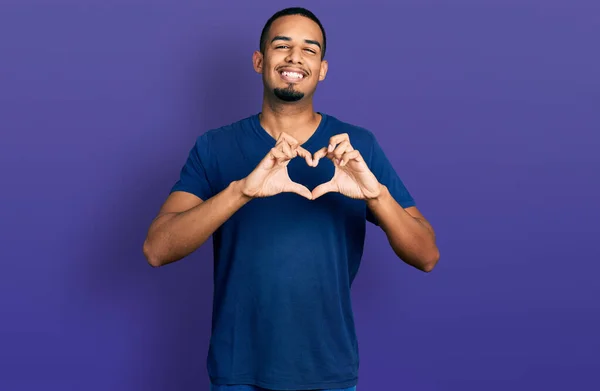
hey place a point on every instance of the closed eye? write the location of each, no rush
(287, 47)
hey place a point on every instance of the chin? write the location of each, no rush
(288, 94)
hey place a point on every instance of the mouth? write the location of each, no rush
(292, 75)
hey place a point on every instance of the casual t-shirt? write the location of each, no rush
(284, 265)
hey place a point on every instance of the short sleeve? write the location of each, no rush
(387, 175)
(193, 177)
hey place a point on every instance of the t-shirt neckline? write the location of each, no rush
(265, 136)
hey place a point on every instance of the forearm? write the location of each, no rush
(411, 238)
(173, 236)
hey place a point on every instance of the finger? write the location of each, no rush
(278, 155)
(352, 155)
(306, 155)
(293, 187)
(320, 154)
(335, 140)
(283, 137)
(342, 148)
(287, 150)
(324, 188)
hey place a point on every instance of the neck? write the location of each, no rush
(297, 119)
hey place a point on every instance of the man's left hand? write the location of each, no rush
(352, 176)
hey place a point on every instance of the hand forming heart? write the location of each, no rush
(351, 178)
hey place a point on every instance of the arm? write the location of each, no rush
(409, 233)
(185, 222)
(389, 204)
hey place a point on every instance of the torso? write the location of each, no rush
(284, 266)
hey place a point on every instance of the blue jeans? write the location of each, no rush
(253, 388)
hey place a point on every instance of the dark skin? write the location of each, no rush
(291, 62)
(294, 43)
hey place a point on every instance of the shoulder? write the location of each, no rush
(360, 137)
(365, 141)
(224, 134)
(218, 140)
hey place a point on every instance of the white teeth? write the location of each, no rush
(293, 74)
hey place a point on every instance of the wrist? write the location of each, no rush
(379, 197)
(238, 189)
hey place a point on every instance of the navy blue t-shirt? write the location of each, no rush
(284, 265)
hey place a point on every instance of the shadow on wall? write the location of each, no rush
(160, 318)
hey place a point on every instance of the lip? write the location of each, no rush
(296, 70)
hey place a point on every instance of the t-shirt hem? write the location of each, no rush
(284, 386)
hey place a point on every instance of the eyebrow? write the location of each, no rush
(283, 38)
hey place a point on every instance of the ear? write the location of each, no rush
(257, 61)
(323, 71)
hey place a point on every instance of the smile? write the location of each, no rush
(291, 76)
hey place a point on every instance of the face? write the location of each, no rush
(291, 66)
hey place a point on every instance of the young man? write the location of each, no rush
(286, 194)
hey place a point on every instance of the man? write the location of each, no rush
(286, 194)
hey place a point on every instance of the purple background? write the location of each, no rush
(489, 110)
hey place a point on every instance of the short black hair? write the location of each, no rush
(291, 11)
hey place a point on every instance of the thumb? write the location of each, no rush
(293, 187)
(322, 189)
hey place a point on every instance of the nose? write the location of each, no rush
(295, 55)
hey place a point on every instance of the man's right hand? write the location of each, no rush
(271, 176)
